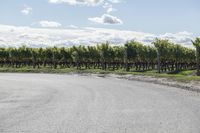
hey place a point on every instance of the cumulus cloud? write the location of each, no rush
(49, 24)
(26, 10)
(12, 36)
(180, 37)
(106, 19)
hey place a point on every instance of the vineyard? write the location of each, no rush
(163, 56)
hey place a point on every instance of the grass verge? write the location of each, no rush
(183, 76)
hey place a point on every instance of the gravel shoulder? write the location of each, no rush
(190, 85)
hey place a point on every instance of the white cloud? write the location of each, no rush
(84, 2)
(73, 26)
(12, 36)
(107, 4)
(109, 10)
(106, 19)
(78, 2)
(49, 24)
(26, 10)
(115, 1)
(109, 7)
(180, 37)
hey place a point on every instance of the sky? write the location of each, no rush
(41, 23)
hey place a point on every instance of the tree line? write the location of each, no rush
(164, 56)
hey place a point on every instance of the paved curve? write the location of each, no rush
(45, 103)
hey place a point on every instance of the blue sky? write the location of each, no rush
(169, 18)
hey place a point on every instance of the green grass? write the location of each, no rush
(184, 76)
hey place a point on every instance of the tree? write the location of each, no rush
(196, 43)
(4, 55)
(94, 55)
(105, 54)
(78, 55)
(34, 55)
(162, 47)
(130, 53)
(133, 55)
(66, 57)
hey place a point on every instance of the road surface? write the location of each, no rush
(45, 103)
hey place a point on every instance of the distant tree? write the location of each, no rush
(196, 43)
(164, 55)
(130, 53)
(105, 54)
(162, 46)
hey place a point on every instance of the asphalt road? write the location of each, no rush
(45, 103)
